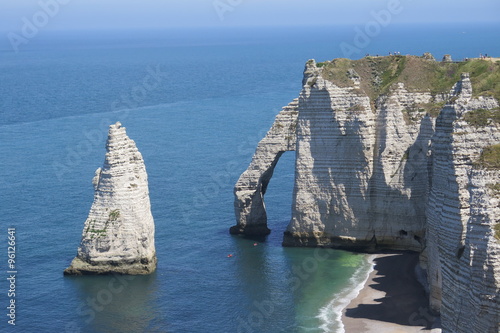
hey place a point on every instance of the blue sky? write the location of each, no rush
(118, 14)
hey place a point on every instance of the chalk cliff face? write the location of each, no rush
(252, 184)
(387, 152)
(463, 208)
(359, 165)
(361, 170)
(118, 235)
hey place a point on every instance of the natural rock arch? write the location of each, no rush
(251, 187)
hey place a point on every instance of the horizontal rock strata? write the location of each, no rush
(251, 187)
(118, 235)
(390, 154)
(361, 170)
(463, 254)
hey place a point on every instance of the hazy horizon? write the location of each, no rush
(64, 15)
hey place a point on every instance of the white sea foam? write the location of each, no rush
(331, 314)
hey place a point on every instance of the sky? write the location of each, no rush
(143, 14)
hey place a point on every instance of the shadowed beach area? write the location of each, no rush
(392, 299)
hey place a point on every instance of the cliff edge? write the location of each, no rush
(118, 235)
(395, 153)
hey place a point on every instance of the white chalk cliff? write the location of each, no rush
(385, 160)
(252, 184)
(463, 208)
(118, 235)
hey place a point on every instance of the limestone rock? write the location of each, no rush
(390, 165)
(447, 58)
(118, 235)
(251, 187)
(463, 255)
(359, 167)
(428, 56)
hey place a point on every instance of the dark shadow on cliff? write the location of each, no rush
(370, 201)
(328, 138)
(417, 170)
(387, 192)
(445, 232)
(405, 301)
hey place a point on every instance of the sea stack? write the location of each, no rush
(118, 235)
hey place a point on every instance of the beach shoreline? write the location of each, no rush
(391, 300)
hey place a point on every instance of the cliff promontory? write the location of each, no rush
(118, 235)
(397, 153)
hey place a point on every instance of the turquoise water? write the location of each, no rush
(206, 103)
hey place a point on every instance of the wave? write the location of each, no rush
(331, 314)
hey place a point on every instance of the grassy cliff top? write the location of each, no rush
(419, 74)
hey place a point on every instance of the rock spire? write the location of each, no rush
(118, 235)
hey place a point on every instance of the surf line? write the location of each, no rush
(331, 314)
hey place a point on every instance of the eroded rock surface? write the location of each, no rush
(390, 154)
(463, 209)
(251, 187)
(118, 235)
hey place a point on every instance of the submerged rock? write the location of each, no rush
(118, 235)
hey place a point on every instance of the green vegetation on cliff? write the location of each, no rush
(495, 188)
(497, 231)
(482, 117)
(378, 74)
(490, 157)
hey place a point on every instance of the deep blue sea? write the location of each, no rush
(196, 102)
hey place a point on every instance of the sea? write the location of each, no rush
(196, 102)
